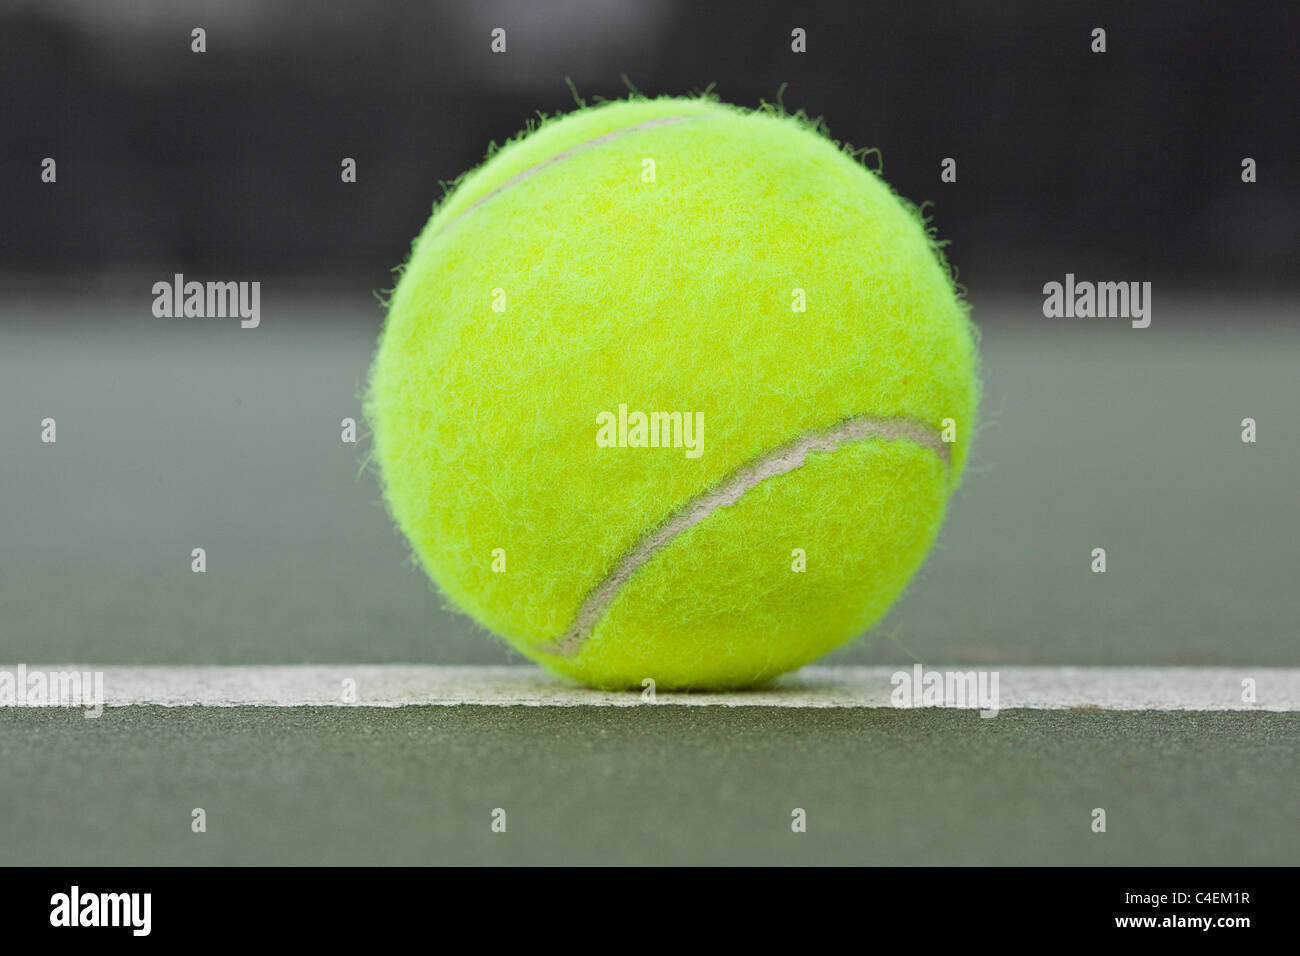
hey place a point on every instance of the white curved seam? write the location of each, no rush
(779, 461)
(560, 157)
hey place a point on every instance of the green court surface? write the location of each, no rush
(647, 785)
(176, 434)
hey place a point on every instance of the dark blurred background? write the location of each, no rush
(1126, 162)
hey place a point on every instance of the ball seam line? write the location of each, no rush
(780, 461)
(559, 157)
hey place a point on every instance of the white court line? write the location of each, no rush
(400, 685)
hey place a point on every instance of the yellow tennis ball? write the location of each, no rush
(672, 390)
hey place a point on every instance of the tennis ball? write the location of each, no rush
(673, 390)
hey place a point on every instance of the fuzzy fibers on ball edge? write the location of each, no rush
(653, 254)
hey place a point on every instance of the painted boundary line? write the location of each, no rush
(399, 685)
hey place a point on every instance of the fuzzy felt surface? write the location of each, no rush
(670, 292)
